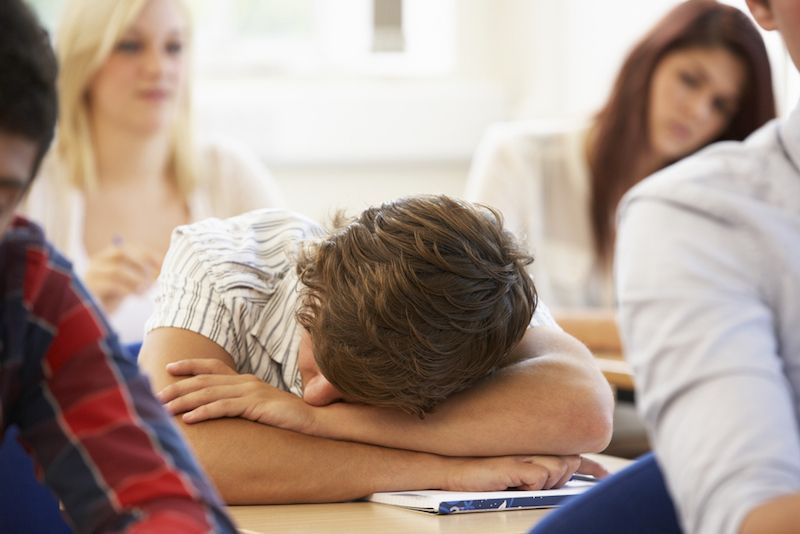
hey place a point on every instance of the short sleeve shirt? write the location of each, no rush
(235, 282)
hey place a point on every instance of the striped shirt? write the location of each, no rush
(234, 281)
(108, 449)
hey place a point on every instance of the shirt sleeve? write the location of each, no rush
(507, 174)
(109, 450)
(710, 380)
(502, 178)
(543, 317)
(188, 297)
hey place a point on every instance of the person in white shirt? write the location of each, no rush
(701, 74)
(708, 274)
(405, 350)
(124, 170)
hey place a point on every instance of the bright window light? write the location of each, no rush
(314, 37)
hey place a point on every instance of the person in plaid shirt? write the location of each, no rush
(104, 443)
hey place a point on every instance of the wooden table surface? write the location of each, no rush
(364, 517)
(617, 371)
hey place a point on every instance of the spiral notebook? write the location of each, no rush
(449, 502)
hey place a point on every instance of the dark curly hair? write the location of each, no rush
(415, 300)
(28, 102)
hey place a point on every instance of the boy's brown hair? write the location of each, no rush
(415, 300)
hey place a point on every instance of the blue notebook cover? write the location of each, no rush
(449, 502)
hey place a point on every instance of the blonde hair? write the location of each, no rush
(86, 37)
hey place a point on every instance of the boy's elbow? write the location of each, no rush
(599, 430)
(597, 417)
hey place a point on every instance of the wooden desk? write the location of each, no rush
(364, 517)
(617, 371)
(597, 329)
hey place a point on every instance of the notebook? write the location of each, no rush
(449, 502)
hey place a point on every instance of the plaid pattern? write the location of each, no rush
(107, 448)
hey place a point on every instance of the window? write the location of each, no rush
(48, 11)
(324, 37)
(361, 37)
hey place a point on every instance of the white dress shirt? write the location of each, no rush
(536, 174)
(231, 181)
(708, 278)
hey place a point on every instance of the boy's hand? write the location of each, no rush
(213, 390)
(520, 472)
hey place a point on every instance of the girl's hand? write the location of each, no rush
(118, 271)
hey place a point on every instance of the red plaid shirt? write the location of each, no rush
(107, 447)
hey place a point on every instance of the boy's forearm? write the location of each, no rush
(776, 516)
(554, 404)
(258, 464)
(252, 463)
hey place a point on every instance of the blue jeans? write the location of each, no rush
(133, 349)
(632, 501)
(26, 507)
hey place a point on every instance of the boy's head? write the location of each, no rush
(415, 300)
(27, 101)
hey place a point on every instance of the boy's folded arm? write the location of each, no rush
(554, 400)
(257, 463)
(254, 463)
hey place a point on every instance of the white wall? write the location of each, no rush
(559, 58)
(349, 144)
(323, 190)
(349, 141)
